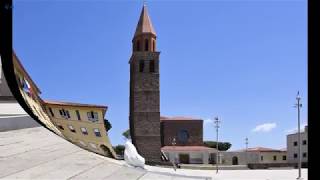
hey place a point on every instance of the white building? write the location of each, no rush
(292, 146)
(256, 155)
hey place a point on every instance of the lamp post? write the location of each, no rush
(246, 149)
(216, 121)
(246, 143)
(174, 157)
(298, 106)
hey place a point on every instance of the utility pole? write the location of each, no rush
(299, 105)
(246, 149)
(246, 143)
(173, 161)
(216, 121)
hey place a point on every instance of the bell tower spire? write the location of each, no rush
(144, 38)
(144, 117)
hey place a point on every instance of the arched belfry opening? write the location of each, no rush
(138, 45)
(146, 45)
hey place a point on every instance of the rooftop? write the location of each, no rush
(178, 118)
(187, 148)
(60, 103)
(20, 66)
(262, 149)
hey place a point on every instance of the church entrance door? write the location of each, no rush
(235, 160)
(184, 158)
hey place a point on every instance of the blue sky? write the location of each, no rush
(242, 61)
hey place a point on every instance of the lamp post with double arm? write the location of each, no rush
(298, 105)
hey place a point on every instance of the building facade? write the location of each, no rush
(144, 117)
(257, 155)
(31, 94)
(292, 146)
(185, 130)
(182, 140)
(82, 124)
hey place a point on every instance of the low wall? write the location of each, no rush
(12, 123)
(269, 165)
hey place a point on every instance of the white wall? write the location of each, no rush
(291, 149)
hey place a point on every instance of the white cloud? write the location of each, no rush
(266, 127)
(295, 130)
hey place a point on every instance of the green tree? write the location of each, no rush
(126, 134)
(107, 124)
(119, 149)
(222, 146)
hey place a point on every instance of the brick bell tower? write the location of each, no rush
(144, 115)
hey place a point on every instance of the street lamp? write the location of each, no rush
(173, 161)
(247, 143)
(299, 105)
(246, 149)
(216, 121)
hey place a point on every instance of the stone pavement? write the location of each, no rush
(36, 153)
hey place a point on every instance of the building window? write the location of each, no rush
(295, 155)
(304, 155)
(92, 116)
(51, 112)
(78, 114)
(295, 143)
(60, 126)
(261, 158)
(94, 146)
(284, 158)
(72, 129)
(146, 45)
(151, 66)
(153, 46)
(274, 158)
(97, 132)
(141, 65)
(183, 136)
(64, 113)
(304, 142)
(138, 46)
(84, 131)
(67, 113)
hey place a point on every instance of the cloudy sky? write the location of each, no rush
(242, 61)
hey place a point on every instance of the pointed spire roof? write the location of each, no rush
(144, 24)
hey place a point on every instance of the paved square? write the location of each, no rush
(36, 153)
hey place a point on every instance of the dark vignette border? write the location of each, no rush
(313, 86)
(6, 51)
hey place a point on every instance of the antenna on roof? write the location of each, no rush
(144, 3)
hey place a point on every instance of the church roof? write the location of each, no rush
(187, 148)
(60, 103)
(144, 24)
(262, 149)
(177, 118)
